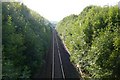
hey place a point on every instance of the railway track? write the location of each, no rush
(57, 69)
(58, 64)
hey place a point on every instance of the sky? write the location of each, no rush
(56, 10)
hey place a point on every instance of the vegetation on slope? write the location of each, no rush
(25, 40)
(93, 40)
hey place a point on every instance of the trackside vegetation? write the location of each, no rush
(93, 40)
(25, 41)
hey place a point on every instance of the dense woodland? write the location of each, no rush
(25, 40)
(93, 40)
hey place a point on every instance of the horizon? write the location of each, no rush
(56, 10)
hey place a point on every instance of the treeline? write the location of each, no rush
(25, 40)
(93, 40)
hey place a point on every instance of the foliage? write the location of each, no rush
(93, 40)
(26, 39)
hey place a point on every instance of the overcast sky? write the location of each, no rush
(55, 10)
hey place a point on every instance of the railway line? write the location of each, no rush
(57, 69)
(58, 64)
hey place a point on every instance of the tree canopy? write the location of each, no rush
(93, 40)
(25, 40)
